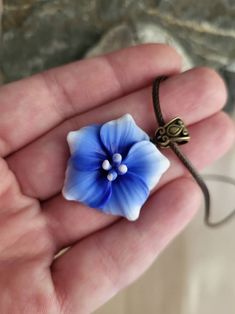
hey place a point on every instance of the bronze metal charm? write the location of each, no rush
(174, 131)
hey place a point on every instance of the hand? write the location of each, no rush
(106, 253)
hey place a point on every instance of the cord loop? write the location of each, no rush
(175, 133)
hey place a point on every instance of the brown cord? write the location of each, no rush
(175, 148)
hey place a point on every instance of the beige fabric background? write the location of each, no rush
(196, 273)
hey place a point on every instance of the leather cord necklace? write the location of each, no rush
(175, 133)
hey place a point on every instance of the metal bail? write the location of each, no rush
(174, 131)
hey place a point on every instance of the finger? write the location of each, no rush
(33, 106)
(95, 269)
(68, 222)
(194, 95)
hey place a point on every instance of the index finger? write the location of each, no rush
(31, 107)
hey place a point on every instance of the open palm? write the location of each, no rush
(106, 253)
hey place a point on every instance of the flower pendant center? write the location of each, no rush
(115, 168)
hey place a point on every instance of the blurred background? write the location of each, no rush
(196, 274)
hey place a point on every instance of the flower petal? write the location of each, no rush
(129, 192)
(88, 187)
(146, 161)
(87, 162)
(86, 148)
(119, 135)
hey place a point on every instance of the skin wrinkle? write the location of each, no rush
(116, 78)
(38, 229)
(60, 96)
(4, 172)
(44, 299)
(51, 81)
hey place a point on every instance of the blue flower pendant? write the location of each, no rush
(113, 167)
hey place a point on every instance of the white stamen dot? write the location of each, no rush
(106, 165)
(112, 175)
(117, 157)
(122, 169)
